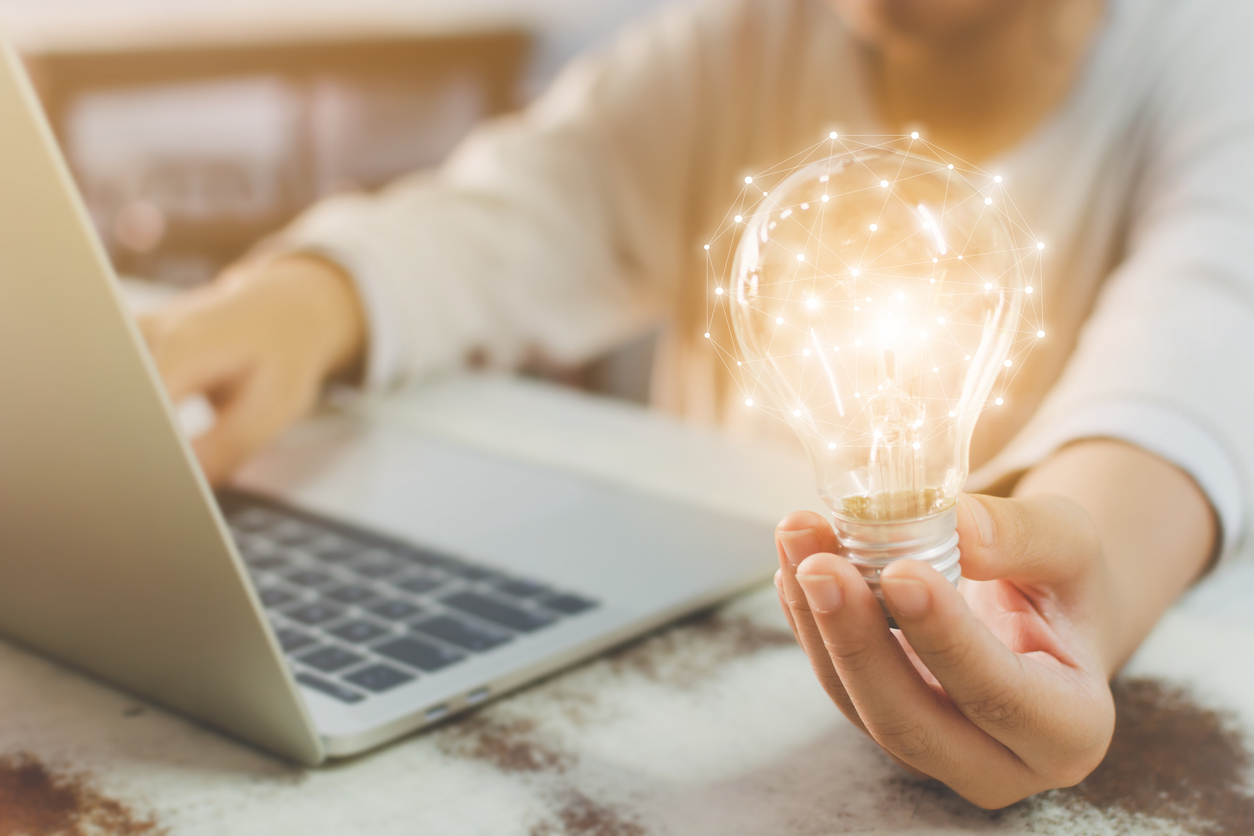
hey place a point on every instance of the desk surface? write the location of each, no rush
(714, 726)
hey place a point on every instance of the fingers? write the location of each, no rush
(900, 711)
(798, 536)
(1036, 539)
(1033, 704)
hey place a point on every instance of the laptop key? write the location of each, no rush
(420, 584)
(351, 594)
(290, 639)
(315, 613)
(463, 634)
(418, 654)
(267, 561)
(275, 597)
(309, 577)
(492, 610)
(379, 678)
(378, 568)
(520, 589)
(394, 609)
(567, 604)
(469, 571)
(331, 689)
(358, 631)
(330, 658)
(292, 532)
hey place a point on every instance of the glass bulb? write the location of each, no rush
(876, 322)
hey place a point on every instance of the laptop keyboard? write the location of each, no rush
(358, 614)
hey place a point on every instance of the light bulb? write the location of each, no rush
(890, 464)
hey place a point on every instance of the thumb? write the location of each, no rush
(1038, 538)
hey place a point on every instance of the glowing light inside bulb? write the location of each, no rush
(748, 180)
(966, 357)
(825, 198)
(831, 445)
(988, 201)
(952, 414)
(1008, 363)
(739, 218)
(718, 291)
(801, 256)
(935, 260)
(748, 401)
(916, 445)
(1029, 288)
(812, 303)
(940, 320)
(874, 227)
(805, 207)
(883, 184)
(951, 166)
(988, 285)
(779, 320)
(997, 179)
(832, 135)
(805, 352)
(999, 401)
(1040, 333)
(707, 335)
(796, 413)
(858, 343)
(707, 246)
(1040, 245)
(935, 368)
(855, 271)
(914, 135)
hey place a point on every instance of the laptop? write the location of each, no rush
(310, 634)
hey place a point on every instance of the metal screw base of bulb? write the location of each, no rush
(871, 546)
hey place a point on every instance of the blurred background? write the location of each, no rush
(195, 127)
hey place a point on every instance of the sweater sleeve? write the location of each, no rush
(1166, 360)
(555, 234)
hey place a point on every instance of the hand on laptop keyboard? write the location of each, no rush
(259, 342)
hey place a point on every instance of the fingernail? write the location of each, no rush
(798, 545)
(779, 578)
(907, 597)
(983, 519)
(822, 592)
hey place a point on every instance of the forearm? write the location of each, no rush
(1157, 530)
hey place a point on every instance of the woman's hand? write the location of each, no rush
(259, 343)
(1000, 689)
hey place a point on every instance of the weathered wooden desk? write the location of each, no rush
(714, 726)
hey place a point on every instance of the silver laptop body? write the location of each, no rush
(116, 557)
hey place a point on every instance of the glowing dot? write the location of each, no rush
(718, 291)
(739, 219)
(914, 135)
(988, 201)
(988, 285)
(801, 256)
(868, 298)
(877, 434)
(812, 303)
(738, 363)
(779, 320)
(951, 165)
(832, 135)
(856, 308)
(935, 368)
(960, 258)
(1040, 245)
(824, 179)
(916, 445)
(940, 320)
(933, 281)
(764, 194)
(883, 184)
(805, 206)
(857, 394)
(927, 226)
(997, 179)
(796, 413)
(707, 246)
(858, 343)
(707, 335)
(826, 198)
(748, 179)
(999, 402)
(881, 388)
(1008, 363)
(918, 423)
(748, 401)
(1029, 288)
(901, 296)
(831, 445)
(1040, 333)
(966, 357)
(835, 348)
(855, 271)
(923, 333)
(874, 227)
(952, 413)
(805, 352)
